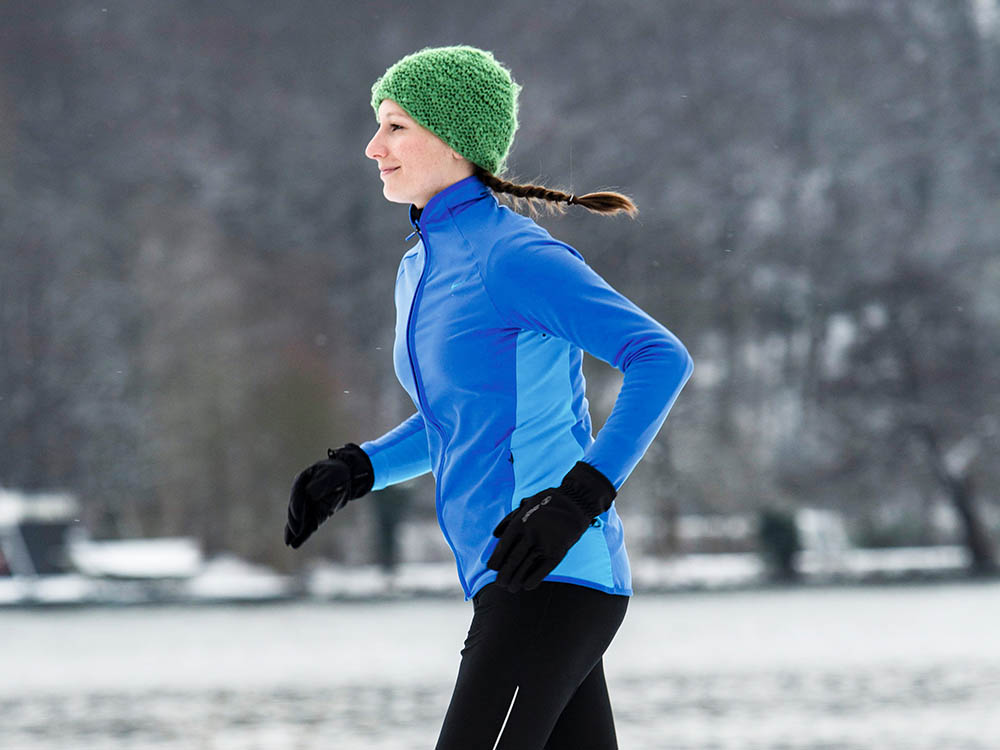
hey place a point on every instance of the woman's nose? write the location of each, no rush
(374, 149)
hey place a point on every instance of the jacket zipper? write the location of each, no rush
(418, 383)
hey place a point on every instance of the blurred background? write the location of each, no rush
(196, 275)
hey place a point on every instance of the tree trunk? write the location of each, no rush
(961, 489)
(983, 560)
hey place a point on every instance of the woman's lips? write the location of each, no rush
(390, 170)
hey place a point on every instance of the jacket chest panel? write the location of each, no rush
(449, 333)
(457, 339)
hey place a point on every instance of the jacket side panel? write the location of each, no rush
(545, 446)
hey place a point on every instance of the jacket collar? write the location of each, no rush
(453, 197)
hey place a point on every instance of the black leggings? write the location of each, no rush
(531, 676)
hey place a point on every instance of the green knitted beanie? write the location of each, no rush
(462, 95)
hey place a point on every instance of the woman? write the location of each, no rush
(492, 318)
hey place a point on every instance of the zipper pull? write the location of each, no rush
(416, 226)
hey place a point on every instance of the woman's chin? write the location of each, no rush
(393, 196)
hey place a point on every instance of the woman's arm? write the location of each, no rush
(548, 287)
(399, 454)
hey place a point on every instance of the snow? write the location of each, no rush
(898, 668)
(17, 507)
(228, 578)
(178, 557)
(697, 571)
(64, 589)
(331, 581)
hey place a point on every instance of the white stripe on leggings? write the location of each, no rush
(504, 725)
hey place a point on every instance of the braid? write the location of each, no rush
(556, 200)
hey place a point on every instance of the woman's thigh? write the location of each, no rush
(586, 723)
(526, 656)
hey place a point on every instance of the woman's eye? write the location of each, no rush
(395, 127)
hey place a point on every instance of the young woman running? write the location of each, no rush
(493, 316)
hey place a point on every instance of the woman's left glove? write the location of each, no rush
(536, 536)
(322, 489)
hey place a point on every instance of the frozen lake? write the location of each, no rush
(875, 668)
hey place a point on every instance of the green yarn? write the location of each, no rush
(462, 95)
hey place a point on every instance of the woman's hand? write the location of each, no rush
(322, 489)
(536, 536)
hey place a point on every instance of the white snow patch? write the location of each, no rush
(227, 577)
(331, 581)
(178, 557)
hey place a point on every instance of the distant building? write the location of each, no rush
(34, 532)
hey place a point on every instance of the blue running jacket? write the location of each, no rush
(492, 318)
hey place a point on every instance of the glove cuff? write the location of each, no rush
(589, 489)
(362, 473)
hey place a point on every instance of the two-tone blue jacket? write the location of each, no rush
(492, 318)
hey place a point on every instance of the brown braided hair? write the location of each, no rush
(555, 201)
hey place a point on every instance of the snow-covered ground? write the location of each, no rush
(913, 667)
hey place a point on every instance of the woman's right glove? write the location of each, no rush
(324, 488)
(535, 536)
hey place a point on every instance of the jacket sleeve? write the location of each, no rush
(399, 454)
(546, 286)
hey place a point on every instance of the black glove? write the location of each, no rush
(536, 536)
(324, 488)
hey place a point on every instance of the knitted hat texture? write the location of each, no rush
(462, 95)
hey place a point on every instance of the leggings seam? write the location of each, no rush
(510, 710)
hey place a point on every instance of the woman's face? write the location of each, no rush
(414, 163)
